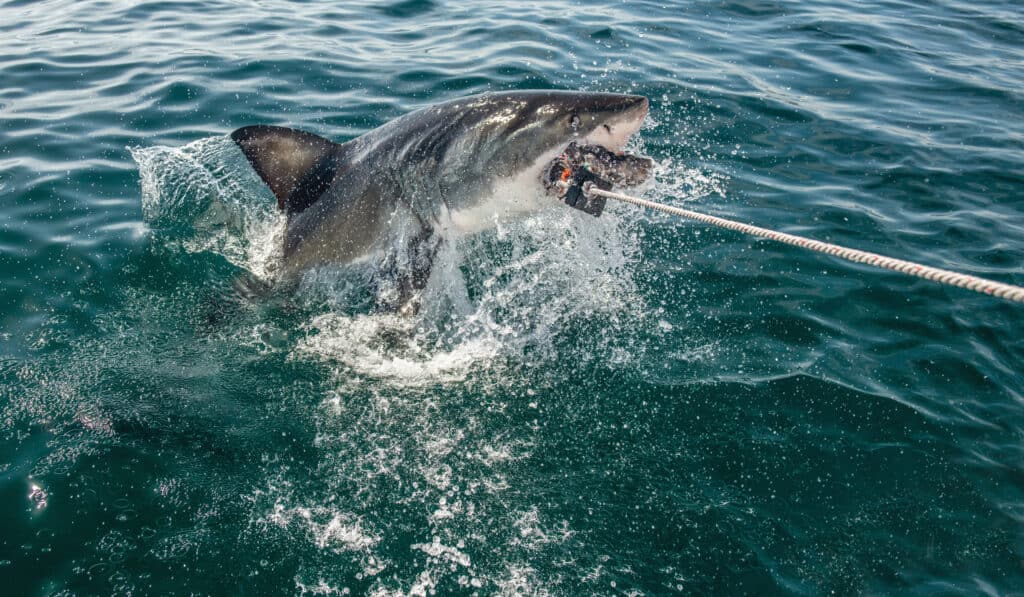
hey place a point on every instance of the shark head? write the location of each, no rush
(604, 119)
(526, 126)
(511, 138)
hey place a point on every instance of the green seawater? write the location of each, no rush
(633, 404)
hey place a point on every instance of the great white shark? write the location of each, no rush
(456, 165)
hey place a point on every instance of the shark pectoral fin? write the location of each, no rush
(407, 276)
(297, 166)
(248, 287)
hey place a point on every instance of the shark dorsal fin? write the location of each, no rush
(297, 166)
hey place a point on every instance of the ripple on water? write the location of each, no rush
(629, 404)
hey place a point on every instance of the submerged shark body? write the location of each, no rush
(457, 165)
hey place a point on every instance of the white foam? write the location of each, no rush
(327, 528)
(362, 343)
(320, 587)
(443, 553)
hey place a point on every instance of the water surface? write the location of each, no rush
(634, 404)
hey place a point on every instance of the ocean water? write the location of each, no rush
(633, 404)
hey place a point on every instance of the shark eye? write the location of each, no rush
(574, 121)
(607, 128)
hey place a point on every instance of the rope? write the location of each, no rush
(1006, 291)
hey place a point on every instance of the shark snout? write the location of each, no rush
(642, 104)
(637, 102)
(637, 107)
(617, 118)
(619, 103)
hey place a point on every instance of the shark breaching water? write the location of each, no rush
(397, 190)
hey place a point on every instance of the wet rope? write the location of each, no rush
(1006, 291)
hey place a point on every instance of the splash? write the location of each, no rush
(494, 296)
(414, 415)
(205, 197)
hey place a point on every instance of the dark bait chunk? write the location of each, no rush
(578, 165)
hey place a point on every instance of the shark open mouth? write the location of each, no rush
(578, 165)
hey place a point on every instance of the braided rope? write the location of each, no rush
(1006, 291)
